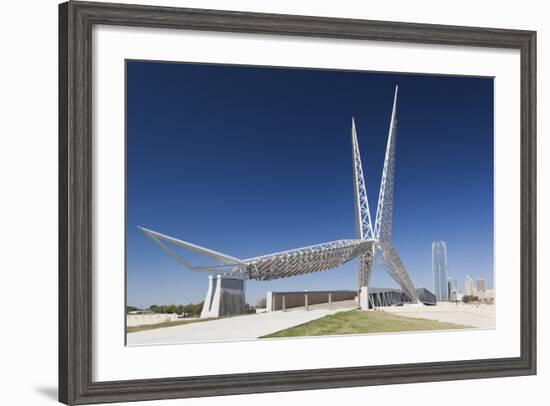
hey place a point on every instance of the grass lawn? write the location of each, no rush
(362, 322)
(135, 329)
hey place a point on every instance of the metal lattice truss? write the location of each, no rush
(315, 258)
(382, 231)
(368, 239)
(300, 261)
(363, 224)
(395, 268)
(384, 211)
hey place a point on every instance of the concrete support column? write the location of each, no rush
(364, 298)
(208, 299)
(305, 301)
(330, 301)
(225, 297)
(216, 298)
(284, 304)
(269, 302)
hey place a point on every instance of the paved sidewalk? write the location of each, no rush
(246, 327)
(472, 315)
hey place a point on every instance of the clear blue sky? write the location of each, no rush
(254, 160)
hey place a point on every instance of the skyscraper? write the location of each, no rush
(439, 268)
(480, 288)
(480, 284)
(468, 286)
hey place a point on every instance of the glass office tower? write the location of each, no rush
(439, 268)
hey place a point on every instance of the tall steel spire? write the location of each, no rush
(384, 211)
(363, 223)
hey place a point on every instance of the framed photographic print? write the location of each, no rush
(257, 202)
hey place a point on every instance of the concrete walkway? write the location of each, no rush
(472, 315)
(246, 327)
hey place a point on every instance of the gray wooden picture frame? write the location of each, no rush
(76, 20)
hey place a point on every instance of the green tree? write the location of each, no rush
(194, 310)
(470, 298)
(131, 309)
(190, 308)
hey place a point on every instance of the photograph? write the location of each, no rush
(268, 203)
(280, 202)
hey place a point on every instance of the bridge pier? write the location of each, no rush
(364, 298)
(225, 296)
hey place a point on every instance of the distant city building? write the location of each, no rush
(480, 288)
(480, 284)
(439, 268)
(468, 286)
(455, 295)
